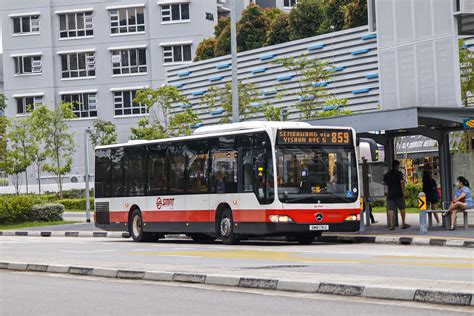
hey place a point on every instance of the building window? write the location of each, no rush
(26, 105)
(129, 20)
(83, 104)
(175, 12)
(129, 61)
(124, 105)
(25, 65)
(78, 65)
(177, 53)
(77, 24)
(289, 3)
(26, 24)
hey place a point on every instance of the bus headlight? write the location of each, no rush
(355, 217)
(280, 219)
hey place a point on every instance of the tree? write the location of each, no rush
(221, 97)
(306, 19)
(334, 107)
(252, 28)
(310, 73)
(355, 13)
(273, 113)
(333, 15)
(3, 103)
(21, 142)
(58, 141)
(222, 23)
(3, 139)
(103, 133)
(205, 49)
(279, 30)
(164, 124)
(466, 61)
(223, 45)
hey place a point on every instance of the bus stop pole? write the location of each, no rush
(86, 177)
(365, 185)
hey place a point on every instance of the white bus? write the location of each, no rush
(231, 182)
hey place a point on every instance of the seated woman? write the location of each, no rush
(461, 202)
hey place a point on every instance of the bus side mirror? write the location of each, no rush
(374, 148)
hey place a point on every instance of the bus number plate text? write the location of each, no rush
(318, 227)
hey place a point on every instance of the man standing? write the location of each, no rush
(395, 197)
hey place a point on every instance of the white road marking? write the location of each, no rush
(88, 251)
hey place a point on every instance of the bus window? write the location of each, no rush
(197, 167)
(157, 170)
(223, 178)
(177, 165)
(258, 166)
(134, 171)
(117, 172)
(102, 173)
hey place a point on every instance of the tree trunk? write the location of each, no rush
(26, 180)
(38, 165)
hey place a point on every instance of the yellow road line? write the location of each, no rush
(295, 257)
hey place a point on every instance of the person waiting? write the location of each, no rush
(461, 202)
(395, 197)
(430, 188)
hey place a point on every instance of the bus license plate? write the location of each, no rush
(318, 227)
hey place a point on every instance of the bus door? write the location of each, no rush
(199, 216)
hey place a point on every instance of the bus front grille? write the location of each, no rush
(102, 210)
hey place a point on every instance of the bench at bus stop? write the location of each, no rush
(426, 219)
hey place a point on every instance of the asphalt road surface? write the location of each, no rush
(363, 260)
(34, 294)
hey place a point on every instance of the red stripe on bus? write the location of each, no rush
(254, 216)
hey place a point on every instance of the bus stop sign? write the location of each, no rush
(469, 123)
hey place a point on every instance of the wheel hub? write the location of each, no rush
(225, 227)
(136, 226)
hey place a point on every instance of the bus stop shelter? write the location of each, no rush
(384, 125)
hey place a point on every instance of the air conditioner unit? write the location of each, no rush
(74, 179)
(116, 59)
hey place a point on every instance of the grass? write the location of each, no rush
(34, 224)
(412, 210)
(77, 211)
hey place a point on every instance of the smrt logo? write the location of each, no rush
(164, 202)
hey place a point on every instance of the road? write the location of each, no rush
(447, 267)
(33, 294)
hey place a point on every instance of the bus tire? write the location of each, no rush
(136, 228)
(306, 239)
(226, 228)
(202, 238)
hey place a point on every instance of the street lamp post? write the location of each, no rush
(235, 82)
(86, 176)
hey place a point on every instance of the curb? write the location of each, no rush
(386, 240)
(391, 293)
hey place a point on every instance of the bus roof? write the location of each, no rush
(219, 129)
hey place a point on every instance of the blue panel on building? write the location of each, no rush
(316, 47)
(306, 98)
(256, 104)
(369, 36)
(372, 76)
(267, 57)
(258, 70)
(284, 78)
(320, 84)
(218, 78)
(217, 112)
(339, 68)
(179, 85)
(185, 106)
(201, 92)
(223, 66)
(197, 125)
(269, 92)
(360, 51)
(359, 91)
(184, 74)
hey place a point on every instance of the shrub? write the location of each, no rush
(205, 49)
(16, 209)
(76, 204)
(411, 193)
(47, 212)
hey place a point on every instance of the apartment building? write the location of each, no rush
(98, 53)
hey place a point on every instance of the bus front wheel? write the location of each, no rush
(226, 228)
(136, 229)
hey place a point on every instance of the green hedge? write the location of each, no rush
(47, 212)
(411, 193)
(16, 209)
(75, 204)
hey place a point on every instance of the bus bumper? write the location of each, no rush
(275, 229)
(114, 227)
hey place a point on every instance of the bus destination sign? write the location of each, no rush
(314, 137)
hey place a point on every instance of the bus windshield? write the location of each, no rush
(316, 174)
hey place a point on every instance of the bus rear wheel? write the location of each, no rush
(136, 229)
(226, 228)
